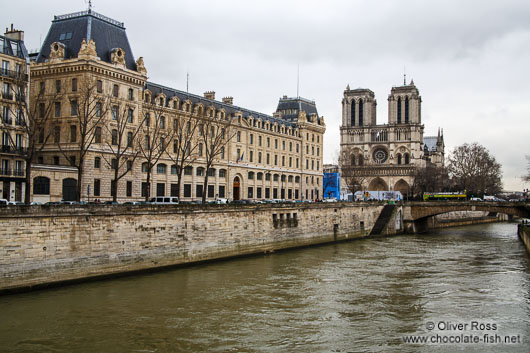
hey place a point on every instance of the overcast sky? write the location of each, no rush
(469, 59)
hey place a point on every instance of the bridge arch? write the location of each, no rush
(419, 210)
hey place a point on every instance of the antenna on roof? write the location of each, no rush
(404, 76)
(298, 82)
(187, 81)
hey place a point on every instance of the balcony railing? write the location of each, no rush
(5, 171)
(7, 95)
(12, 172)
(17, 75)
(13, 149)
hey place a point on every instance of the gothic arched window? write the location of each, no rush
(353, 113)
(399, 158)
(406, 110)
(361, 113)
(407, 159)
(399, 110)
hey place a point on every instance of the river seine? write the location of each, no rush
(461, 289)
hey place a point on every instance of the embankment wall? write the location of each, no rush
(524, 234)
(46, 245)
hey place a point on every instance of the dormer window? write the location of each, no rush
(65, 36)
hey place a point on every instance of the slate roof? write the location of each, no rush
(296, 105)
(71, 29)
(230, 109)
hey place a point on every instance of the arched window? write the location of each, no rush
(399, 110)
(407, 159)
(360, 159)
(353, 113)
(361, 111)
(41, 186)
(161, 168)
(200, 171)
(290, 178)
(399, 158)
(211, 172)
(145, 166)
(250, 175)
(406, 110)
(174, 169)
(353, 160)
(297, 179)
(222, 173)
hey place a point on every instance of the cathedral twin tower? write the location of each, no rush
(386, 156)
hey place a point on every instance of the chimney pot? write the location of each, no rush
(228, 100)
(209, 95)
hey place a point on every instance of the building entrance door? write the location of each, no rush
(69, 189)
(236, 188)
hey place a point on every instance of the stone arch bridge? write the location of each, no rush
(417, 214)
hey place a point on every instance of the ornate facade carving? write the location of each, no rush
(88, 50)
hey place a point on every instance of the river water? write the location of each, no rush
(450, 286)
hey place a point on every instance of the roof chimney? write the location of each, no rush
(228, 100)
(209, 95)
(14, 34)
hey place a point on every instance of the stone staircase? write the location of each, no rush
(383, 219)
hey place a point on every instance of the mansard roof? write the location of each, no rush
(13, 47)
(289, 108)
(230, 109)
(71, 29)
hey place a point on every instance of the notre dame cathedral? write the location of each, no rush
(386, 156)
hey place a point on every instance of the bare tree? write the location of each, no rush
(184, 145)
(474, 169)
(215, 131)
(122, 142)
(31, 121)
(527, 176)
(154, 142)
(88, 109)
(430, 179)
(352, 173)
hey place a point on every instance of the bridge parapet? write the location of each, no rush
(413, 211)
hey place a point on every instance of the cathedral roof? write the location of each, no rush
(72, 28)
(230, 109)
(430, 143)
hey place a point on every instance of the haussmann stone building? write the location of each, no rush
(14, 79)
(276, 156)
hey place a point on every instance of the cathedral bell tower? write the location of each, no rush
(404, 105)
(358, 107)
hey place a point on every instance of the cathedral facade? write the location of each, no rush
(385, 156)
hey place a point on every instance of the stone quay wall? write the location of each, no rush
(42, 245)
(524, 234)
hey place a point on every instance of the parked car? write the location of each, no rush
(3, 202)
(221, 201)
(475, 199)
(164, 200)
(332, 199)
(15, 203)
